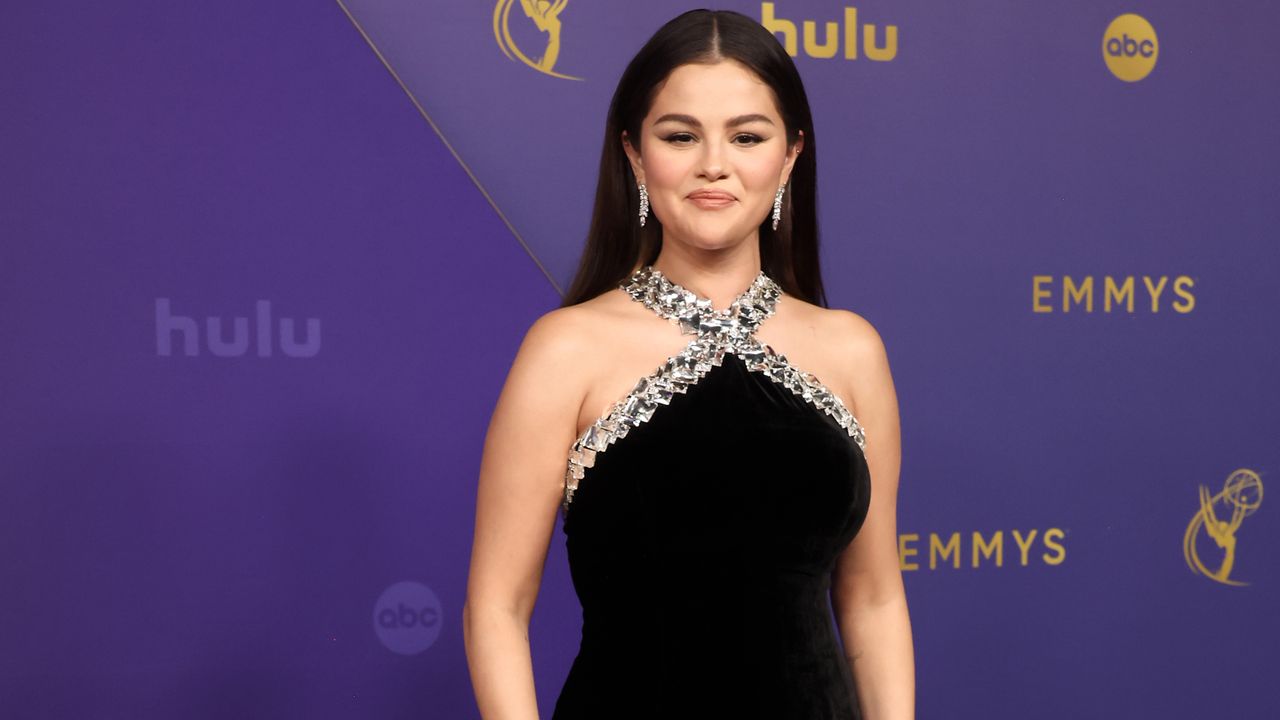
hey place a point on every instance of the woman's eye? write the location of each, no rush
(686, 137)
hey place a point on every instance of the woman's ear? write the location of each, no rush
(792, 154)
(637, 162)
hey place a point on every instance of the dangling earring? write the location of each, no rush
(644, 204)
(777, 205)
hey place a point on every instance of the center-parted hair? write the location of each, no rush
(616, 243)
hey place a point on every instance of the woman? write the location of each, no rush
(711, 508)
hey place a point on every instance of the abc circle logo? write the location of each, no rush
(1129, 47)
(407, 617)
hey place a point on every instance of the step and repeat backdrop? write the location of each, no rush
(265, 265)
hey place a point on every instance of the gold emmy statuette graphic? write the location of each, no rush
(545, 15)
(1241, 495)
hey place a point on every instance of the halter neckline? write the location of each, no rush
(719, 333)
(695, 313)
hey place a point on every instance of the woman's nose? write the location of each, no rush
(712, 160)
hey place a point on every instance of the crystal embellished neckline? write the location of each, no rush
(695, 313)
(666, 283)
(719, 332)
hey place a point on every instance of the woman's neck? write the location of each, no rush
(720, 276)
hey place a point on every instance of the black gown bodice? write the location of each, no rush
(703, 516)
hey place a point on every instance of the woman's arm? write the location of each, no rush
(520, 488)
(866, 589)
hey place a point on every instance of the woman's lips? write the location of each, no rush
(711, 201)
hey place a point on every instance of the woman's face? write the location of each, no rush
(712, 127)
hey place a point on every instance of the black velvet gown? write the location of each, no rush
(703, 516)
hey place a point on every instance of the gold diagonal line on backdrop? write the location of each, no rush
(445, 140)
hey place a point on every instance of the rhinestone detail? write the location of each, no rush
(718, 332)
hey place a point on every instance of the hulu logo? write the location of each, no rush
(831, 42)
(265, 334)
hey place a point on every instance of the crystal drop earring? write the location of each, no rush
(644, 204)
(777, 205)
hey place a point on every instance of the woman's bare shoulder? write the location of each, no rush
(853, 332)
(569, 333)
(864, 361)
(854, 345)
(847, 329)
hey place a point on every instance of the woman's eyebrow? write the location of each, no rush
(731, 122)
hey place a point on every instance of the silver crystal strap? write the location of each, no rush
(695, 315)
(718, 332)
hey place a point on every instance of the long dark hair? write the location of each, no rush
(616, 244)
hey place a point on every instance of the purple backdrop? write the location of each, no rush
(265, 265)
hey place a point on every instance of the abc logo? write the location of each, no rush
(1129, 47)
(406, 617)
